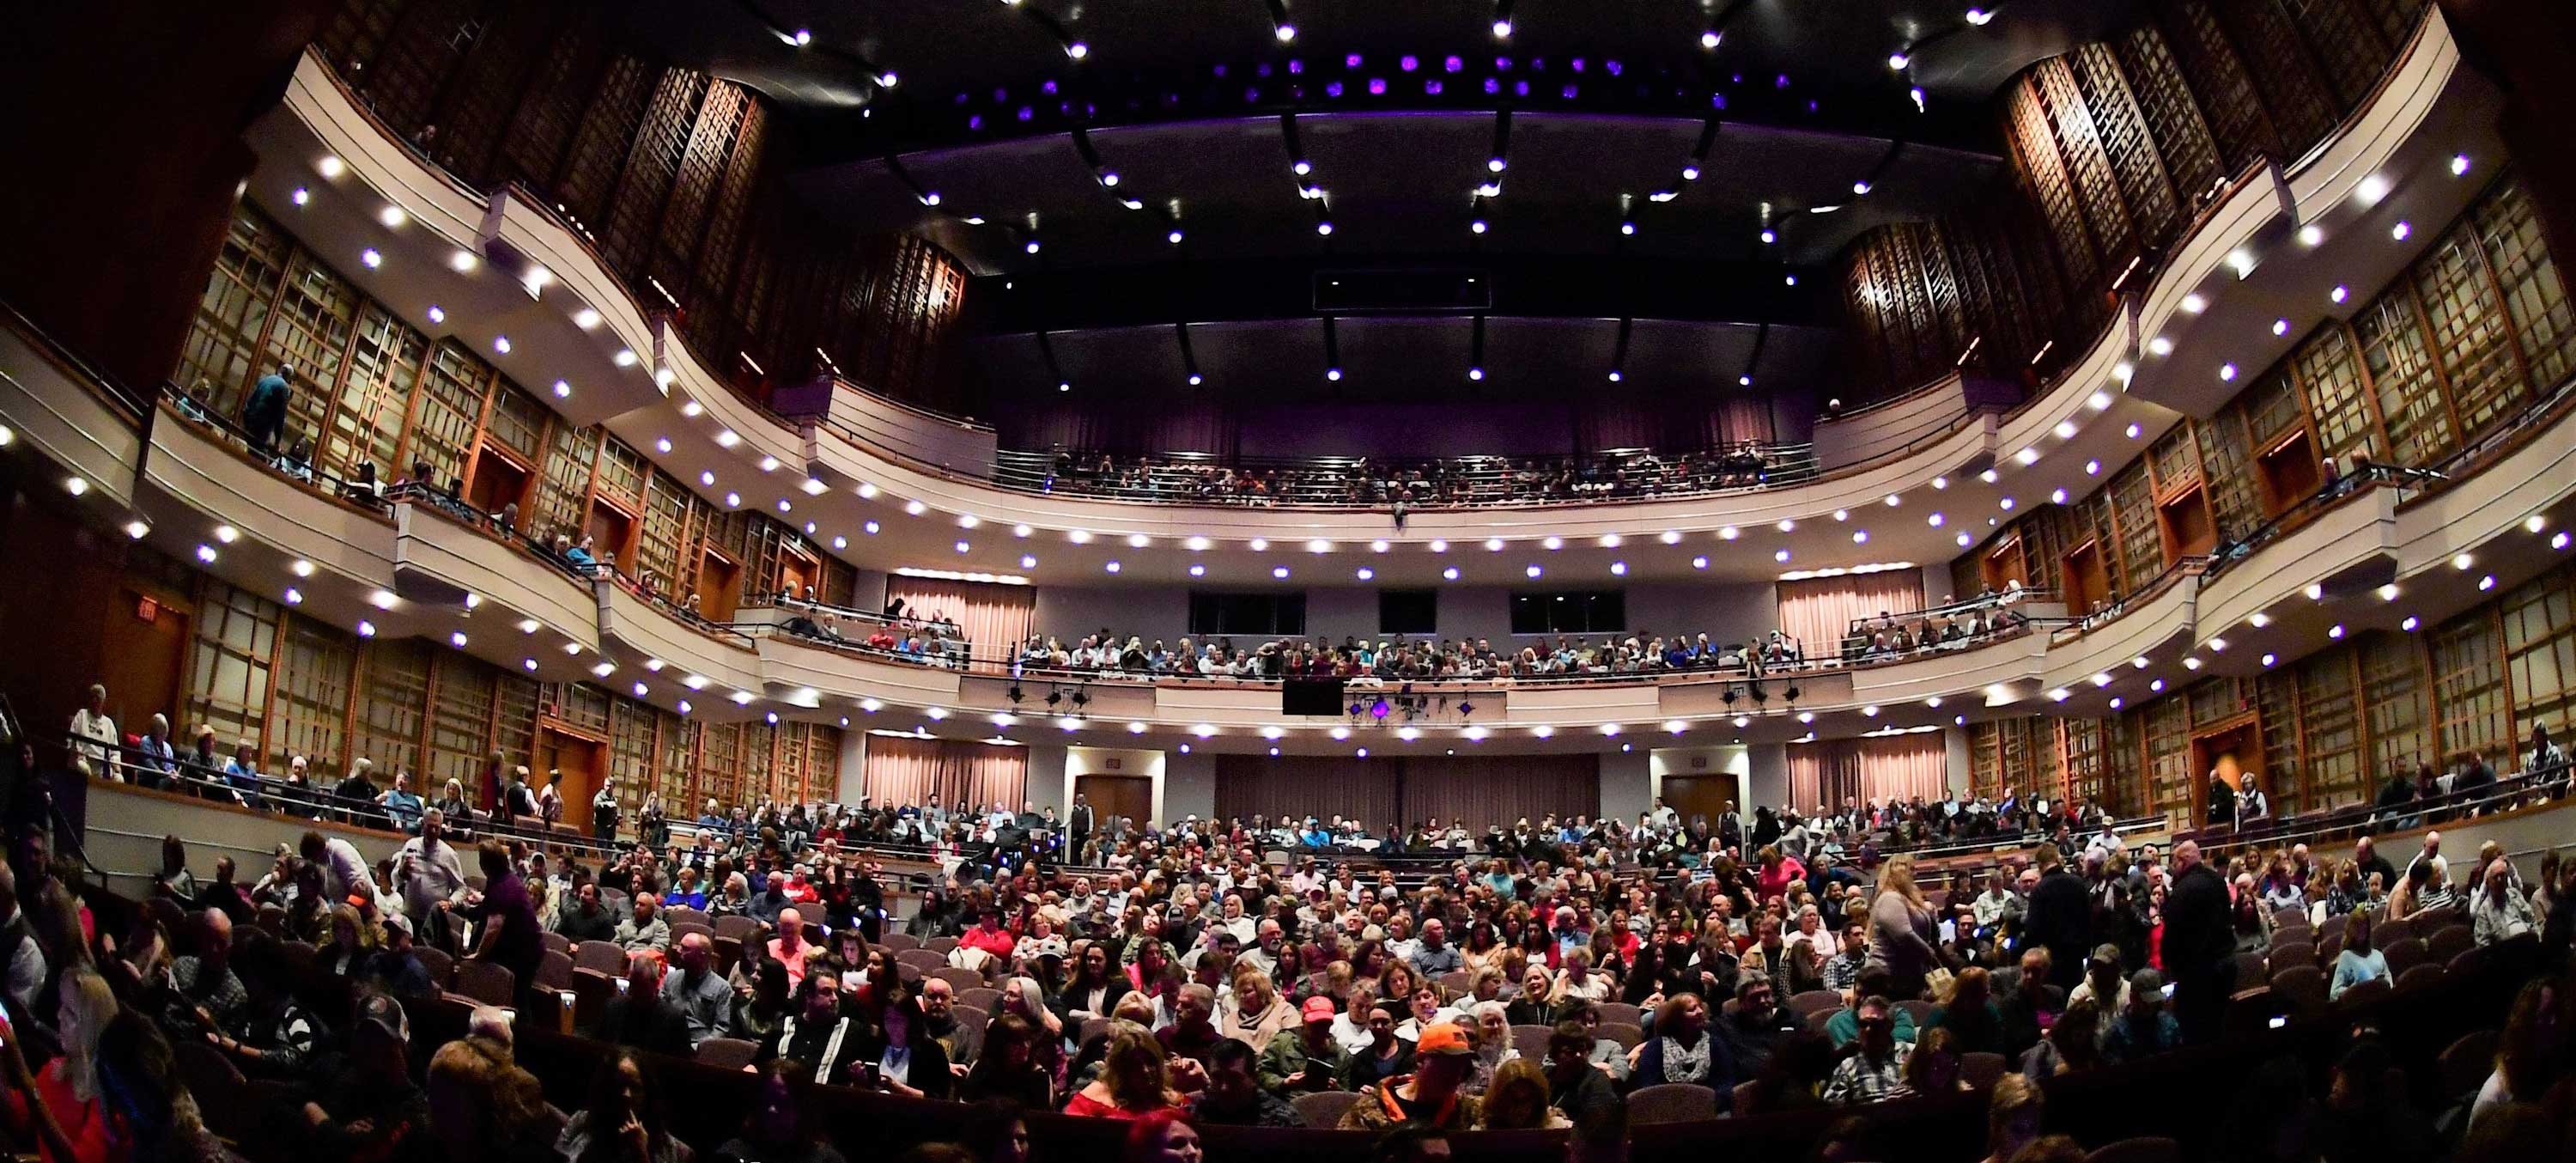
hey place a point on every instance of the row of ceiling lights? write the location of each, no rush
(2369, 192)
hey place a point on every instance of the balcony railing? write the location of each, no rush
(1506, 668)
(1365, 483)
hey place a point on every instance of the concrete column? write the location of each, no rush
(1188, 787)
(1048, 787)
(854, 773)
(1766, 776)
(1627, 784)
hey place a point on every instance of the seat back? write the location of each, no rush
(736, 926)
(921, 961)
(2139, 1150)
(971, 1023)
(942, 946)
(898, 942)
(487, 982)
(982, 997)
(2464, 1064)
(600, 957)
(1620, 1011)
(1531, 1041)
(441, 967)
(727, 1053)
(1323, 1109)
(1672, 1102)
(1982, 1069)
(555, 941)
(958, 979)
(681, 929)
(2406, 954)
(2448, 942)
(2363, 993)
(1815, 1000)
(2291, 956)
(2302, 987)
(554, 971)
(217, 1085)
(1626, 1034)
(2420, 977)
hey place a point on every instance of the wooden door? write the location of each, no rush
(612, 535)
(497, 482)
(142, 651)
(2086, 583)
(1702, 794)
(2232, 752)
(1131, 796)
(578, 763)
(719, 586)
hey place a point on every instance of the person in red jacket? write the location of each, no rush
(989, 936)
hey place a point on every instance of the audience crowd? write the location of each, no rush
(935, 639)
(1445, 483)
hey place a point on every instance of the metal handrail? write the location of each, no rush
(202, 415)
(1735, 672)
(310, 802)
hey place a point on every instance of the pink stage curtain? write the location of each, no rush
(1298, 786)
(996, 617)
(1387, 794)
(910, 771)
(1818, 612)
(1739, 419)
(1854, 771)
(1484, 790)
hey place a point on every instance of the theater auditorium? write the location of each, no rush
(990, 581)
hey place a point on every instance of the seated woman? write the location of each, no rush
(624, 1119)
(778, 1129)
(2359, 961)
(1133, 1080)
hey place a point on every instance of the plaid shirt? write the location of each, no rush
(1856, 1080)
(1843, 971)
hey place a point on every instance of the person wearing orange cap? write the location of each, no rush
(1311, 1060)
(1444, 1057)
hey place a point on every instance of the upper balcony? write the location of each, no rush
(897, 485)
(2389, 550)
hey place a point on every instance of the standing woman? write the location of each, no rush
(489, 795)
(1901, 930)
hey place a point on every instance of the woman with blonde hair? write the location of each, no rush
(63, 1109)
(1132, 1082)
(1517, 1099)
(1255, 1013)
(1903, 938)
(483, 1106)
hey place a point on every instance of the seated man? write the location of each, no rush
(642, 1015)
(1431, 1096)
(1232, 1098)
(815, 1033)
(645, 931)
(587, 919)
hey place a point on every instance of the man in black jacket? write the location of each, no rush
(2060, 917)
(2199, 944)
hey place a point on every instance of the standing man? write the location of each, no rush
(603, 813)
(1078, 823)
(264, 414)
(2199, 944)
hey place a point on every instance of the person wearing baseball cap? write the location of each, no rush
(1444, 1057)
(1310, 1060)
